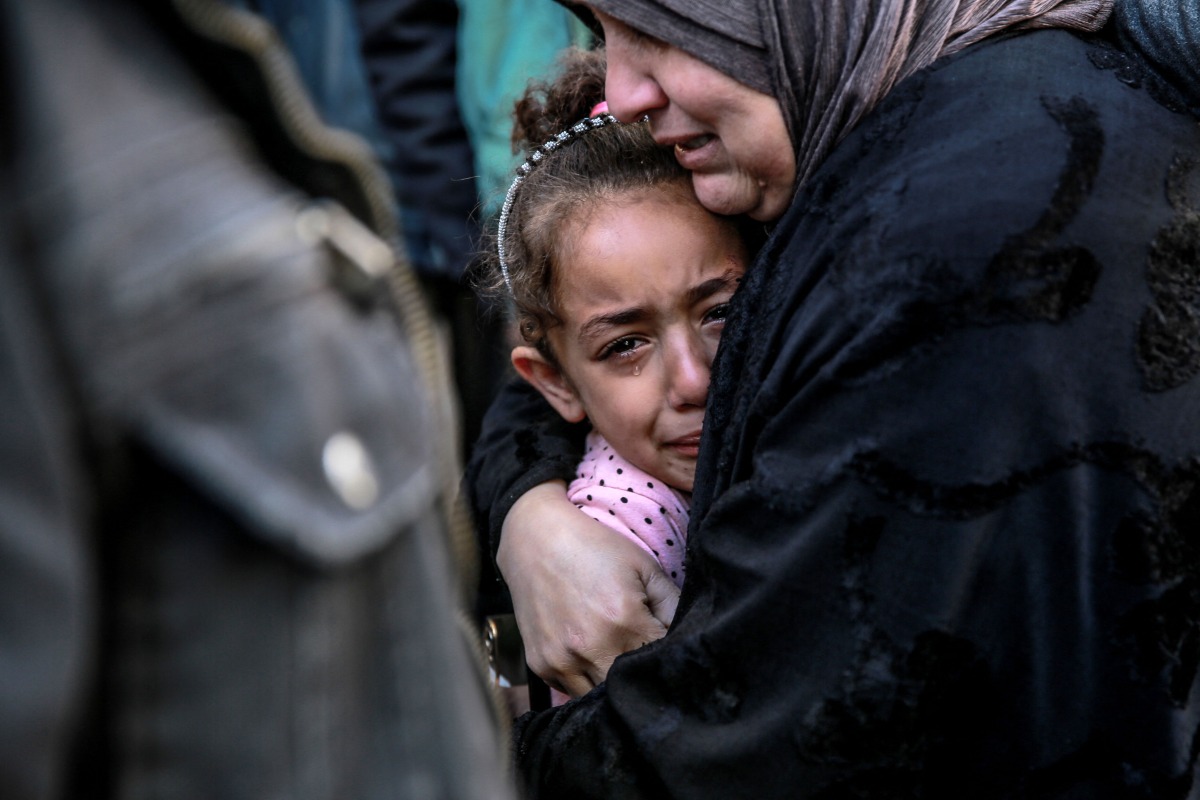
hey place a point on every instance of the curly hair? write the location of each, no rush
(603, 165)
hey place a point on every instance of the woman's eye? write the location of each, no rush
(619, 347)
(643, 39)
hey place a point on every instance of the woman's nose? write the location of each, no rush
(630, 88)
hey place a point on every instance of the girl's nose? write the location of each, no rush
(688, 375)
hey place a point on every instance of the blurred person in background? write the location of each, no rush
(226, 560)
(387, 70)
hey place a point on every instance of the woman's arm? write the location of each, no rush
(582, 596)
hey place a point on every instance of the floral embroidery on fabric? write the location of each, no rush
(1032, 277)
(895, 702)
(1169, 335)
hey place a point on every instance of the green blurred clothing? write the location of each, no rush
(501, 45)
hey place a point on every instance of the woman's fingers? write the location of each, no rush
(662, 596)
(581, 593)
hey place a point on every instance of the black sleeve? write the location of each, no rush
(523, 443)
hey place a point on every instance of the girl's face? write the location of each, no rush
(641, 290)
(732, 138)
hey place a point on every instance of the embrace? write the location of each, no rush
(943, 520)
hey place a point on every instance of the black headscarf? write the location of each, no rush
(828, 62)
(1166, 35)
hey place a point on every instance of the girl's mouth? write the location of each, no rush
(686, 445)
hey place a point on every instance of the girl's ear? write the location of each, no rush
(549, 380)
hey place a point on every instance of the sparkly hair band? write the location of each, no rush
(599, 120)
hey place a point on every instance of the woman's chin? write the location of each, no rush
(721, 193)
(733, 193)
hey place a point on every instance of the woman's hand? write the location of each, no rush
(582, 594)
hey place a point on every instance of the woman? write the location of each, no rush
(939, 543)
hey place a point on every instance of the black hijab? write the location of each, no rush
(1166, 35)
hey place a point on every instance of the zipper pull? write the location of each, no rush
(362, 260)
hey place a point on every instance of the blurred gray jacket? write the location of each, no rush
(224, 569)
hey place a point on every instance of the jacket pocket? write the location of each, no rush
(299, 412)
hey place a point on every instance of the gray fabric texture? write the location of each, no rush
(724, 35)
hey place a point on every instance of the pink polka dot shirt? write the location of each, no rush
(636, 505)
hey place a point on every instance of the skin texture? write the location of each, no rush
(735, 141)
(642, 305)
(732, 138)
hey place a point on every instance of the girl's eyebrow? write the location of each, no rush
(627, 316)
(711, 286)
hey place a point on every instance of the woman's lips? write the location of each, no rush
(692, 153)
(696, 142)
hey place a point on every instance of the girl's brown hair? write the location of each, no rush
(566, 184)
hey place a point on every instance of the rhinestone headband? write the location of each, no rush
(535, 158)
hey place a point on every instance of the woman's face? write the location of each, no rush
(732, 138)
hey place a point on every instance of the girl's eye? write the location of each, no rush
(622, 346)
(717, 313)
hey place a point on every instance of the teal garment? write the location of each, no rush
(502, 44)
